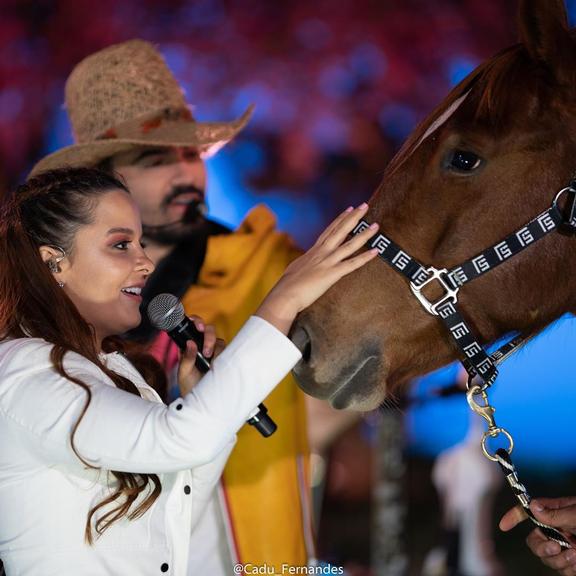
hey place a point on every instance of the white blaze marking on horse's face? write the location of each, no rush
(443, 118)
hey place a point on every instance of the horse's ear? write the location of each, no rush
(545, 33)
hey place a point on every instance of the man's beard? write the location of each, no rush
(192, 224)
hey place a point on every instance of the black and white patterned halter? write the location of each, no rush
(478, 363)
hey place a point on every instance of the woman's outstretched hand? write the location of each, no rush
(308, 277)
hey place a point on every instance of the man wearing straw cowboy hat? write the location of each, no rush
(128, 114)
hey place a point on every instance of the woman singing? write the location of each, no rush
(97, 475)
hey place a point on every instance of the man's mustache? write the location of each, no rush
(184, 189)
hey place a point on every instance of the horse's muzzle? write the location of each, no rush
(330, 375)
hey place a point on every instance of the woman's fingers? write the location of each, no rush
(198, 322)
(219, 347)
(357, 242)
(311, 275)
(334, 224)
(208, 333)
(209, 341)
(338, 230)
(188, 373)
(352, 264)
(344, 227)
(188, 357)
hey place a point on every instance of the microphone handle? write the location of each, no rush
(187, 331)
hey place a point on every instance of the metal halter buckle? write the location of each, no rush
(569, 223)
(451, 294)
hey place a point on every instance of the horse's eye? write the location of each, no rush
(463, 161)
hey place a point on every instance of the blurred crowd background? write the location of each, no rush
(338, 85)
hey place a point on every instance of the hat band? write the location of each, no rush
(143, 125)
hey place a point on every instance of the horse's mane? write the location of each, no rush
(498, 92)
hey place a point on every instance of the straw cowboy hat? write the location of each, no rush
(125, 95)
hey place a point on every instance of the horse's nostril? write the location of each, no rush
(307, 352)
(302, 341)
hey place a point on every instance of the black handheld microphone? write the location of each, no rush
(166, 313)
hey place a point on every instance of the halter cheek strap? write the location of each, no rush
(478, 363)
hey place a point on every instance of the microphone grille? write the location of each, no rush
(165, 312)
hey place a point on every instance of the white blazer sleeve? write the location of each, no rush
(123, 432)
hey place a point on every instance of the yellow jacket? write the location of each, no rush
(266, 480)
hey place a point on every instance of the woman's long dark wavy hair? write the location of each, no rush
(48, 210)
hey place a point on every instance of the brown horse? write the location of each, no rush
(489, 159)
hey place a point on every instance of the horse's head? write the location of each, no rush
(487, 160)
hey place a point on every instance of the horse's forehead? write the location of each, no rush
(443, 118)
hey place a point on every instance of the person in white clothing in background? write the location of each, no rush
(97, 475)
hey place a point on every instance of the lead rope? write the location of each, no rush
(503, 457)
(505, 461)
(478, 364)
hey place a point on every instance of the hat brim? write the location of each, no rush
(207, 137)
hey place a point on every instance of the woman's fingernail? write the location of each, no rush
(363, 206)
(373, 226)
(349, 209)
(537, 506)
